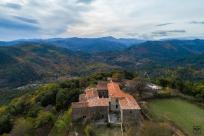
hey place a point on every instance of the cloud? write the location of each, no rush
(132, 34)
(13, 6)
(94, 18)
(162, 33)
(197, 22)
(16, 25)
(27, 20)
(164, 24)
(85, 1)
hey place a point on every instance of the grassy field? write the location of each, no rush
(182, 113)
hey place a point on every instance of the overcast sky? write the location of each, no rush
(143, 19)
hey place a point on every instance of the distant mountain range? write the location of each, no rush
(88, 45)
(23, 62)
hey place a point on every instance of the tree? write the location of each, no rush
(5, 124)
(140, 85)
(48, 98)
(60, 99)
(44, 117)
(22, 127)
(163, 82)
(199, 90)
(19, 105)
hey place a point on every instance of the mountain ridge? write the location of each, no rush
(88, 45)
(44, 61)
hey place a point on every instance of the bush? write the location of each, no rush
(62, 125)
(44, 118)
(19, 106)
(88, 130)
(5, 124)
(22, 127)
(61, 99)
(48, 98)
(33, 111)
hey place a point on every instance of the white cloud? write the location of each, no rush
(92, 18)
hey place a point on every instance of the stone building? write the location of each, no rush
(106, 102)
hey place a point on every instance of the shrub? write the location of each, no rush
(60, 99)
(48, 98)
(44, 117)
(19, 105)
(33, 111)
(5, 124)
(22, 127)
(88, 130)
(62, 125)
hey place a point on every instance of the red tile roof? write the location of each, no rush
(128, 103)
(114, 90)
(98, 102)
(79, 104)
(102, 85)
(91, 99)
(91, 93)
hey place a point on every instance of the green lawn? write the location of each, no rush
(182, 113)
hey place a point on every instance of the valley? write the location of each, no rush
(46, 62)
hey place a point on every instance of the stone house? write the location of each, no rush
(106, 102)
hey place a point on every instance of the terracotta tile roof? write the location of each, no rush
(102, 85)
(82, 97)
(98, 102)
(91, 99)
(114, 90)
(79, 104)
(91, 93)
(128, 103)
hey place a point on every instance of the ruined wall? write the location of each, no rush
(130, 115)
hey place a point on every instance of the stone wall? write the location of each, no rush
(114, 104)
(98, 113)
(130, 115)
(80, 113)
(91, 113)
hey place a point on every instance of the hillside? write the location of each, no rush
(165, 53)
(27, 63)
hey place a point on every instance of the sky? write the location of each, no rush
(141, 19)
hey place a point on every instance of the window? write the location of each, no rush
(84, 117)
(116, 106)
